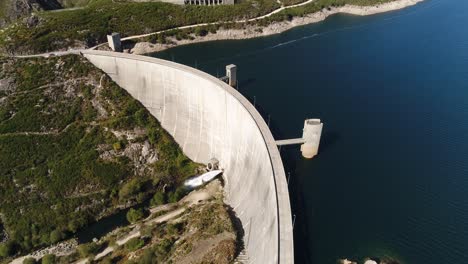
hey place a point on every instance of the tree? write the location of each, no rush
(199, 31)
(141, 117)
(153, 135)
(149, 257)
(87, 249)
(130, 188)
(177, 195)
(134, 215)
(162, 38)
(56, 236)
(48, 259)
(29, 261)
(158, 199)
(134, 244)
(7, 249)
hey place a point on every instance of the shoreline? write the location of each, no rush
(254, 31)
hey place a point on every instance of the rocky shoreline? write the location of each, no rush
(254, 31)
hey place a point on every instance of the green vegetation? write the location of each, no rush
(59, 168)
(212, 219)
(134, 244)
(48, 259)
(207, 223)
(90, 25)
(29, 261)
(73, 3)
(177, 194)
(315, 6)
(67, 29)
(4, 5)
(7, 249)
(135, 215)
(159, 198)
(86, 250)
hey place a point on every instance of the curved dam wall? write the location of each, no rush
(210, 119)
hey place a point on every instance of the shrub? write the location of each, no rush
(199, 31)
(159, 198)
(174, 229)
(148, 257)
(130, 189)
(141, 117)
(134, 215)
(117, 146)
(29, 261)
(177, 195)
(153, 135)
(162, 38)
(7, 249)
(85, 250)
(48, 259)
(56, 236)
(163, 248)
(134, 244)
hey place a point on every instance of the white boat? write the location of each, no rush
(198, 181)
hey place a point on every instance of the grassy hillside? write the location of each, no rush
(185, 232)
(73, 3)
(10, 10)
(74, 147)
(317, 6)
(89, 26)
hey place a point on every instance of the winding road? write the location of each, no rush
(214, 23)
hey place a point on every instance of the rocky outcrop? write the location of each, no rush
(15, 9)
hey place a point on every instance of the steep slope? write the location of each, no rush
(11, 10)
(74, 147)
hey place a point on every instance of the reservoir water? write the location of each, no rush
(391, 177)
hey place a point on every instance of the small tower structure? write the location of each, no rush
(311, 134)
(231, 74)
(114, 42)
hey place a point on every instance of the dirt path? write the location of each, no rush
(273, 28)
(192, 198)
(216, 23)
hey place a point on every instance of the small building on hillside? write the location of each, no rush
(195, 2)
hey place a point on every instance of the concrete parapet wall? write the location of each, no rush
(210, 119)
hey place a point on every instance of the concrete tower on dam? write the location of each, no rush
(197, 109)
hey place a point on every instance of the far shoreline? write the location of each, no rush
(255, 31)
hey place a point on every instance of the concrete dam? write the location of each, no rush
(210, 119)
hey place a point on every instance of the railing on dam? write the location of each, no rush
(210, 119)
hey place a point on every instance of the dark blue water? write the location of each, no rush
(391, 178)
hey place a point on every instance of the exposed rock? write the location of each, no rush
(7, 85)
(32, 21)
(15, 9)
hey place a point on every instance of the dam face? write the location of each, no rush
(210, 119)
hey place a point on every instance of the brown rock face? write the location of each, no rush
(15, 9)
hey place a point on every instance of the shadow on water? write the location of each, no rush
(107, 224)
(301, 221)
(245, 83)
(102, 227)
(273, 125)
(328, 139)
